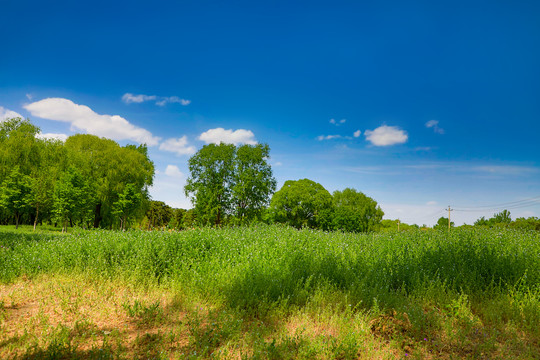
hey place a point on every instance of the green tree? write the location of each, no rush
(73, 199)
(503, 217)
(158, 214)
(442, 224)
(110, 167)
(253, 182)
(18, 146)
(211, 181)
(42, 183)
(177, 221)
(14, 193)
(127, 205)
(355, 212)
(302, 203)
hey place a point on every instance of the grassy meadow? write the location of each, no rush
(270, 292)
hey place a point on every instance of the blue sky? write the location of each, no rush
(419, 105)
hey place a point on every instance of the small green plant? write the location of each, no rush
(144, 314)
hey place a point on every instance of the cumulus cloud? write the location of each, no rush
(434, 124)
(386, 135)
(83, 118)
(220, 135)
(61, 137)
(173, 171)
(8, 114)
(178, 146)
(357, 133)
(129, 98)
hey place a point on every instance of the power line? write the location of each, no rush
(501, 205)
(510, 207)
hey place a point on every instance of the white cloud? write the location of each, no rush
(337, 123)
(434, 124)
(179, 146)
(81, 117)
(386, 135)
(8, 114)
(220, 135)
(357, 133)
(431, 203)
(129, 98)
(328, 137)
(173, 171)
(176, 99)
(61, 137)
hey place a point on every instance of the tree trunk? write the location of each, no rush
(97, 215)
(36, 219)
(16, 220)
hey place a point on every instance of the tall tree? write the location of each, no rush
(302, 203)
(110, 167)
(355, 212)
(14, 192)
(210, 182)
(129, 201)
(18, 146)
(42, 183)
(253, 181)
(73, 199)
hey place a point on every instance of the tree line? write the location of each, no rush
(94, 182)
(235, 185)
(85, 181)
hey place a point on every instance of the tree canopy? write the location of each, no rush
(355, 212)
(302, 203)
(227, 181)
(48, 179)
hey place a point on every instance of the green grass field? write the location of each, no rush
(270, 292)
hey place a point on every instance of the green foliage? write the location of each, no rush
(253, 182)
(18, 146)
(500, 219)
(302, 203)
(442, 224)
(41, 165)
(227, 181)
(73, 199)
(530, 223)
(260, 268)
(392, 225)
(129, 201)
(355, 212)
(14, 193)
(158, 215)
(144, 315)
(110, 167)
(210, 182)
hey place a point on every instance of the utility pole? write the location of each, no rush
(398, 225)
(449, 209)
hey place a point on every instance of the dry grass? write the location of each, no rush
(59, 317)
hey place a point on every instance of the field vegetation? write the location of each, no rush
(270, 292)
